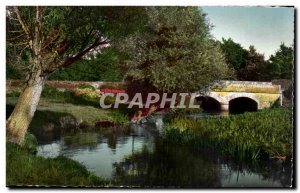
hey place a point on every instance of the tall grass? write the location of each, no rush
(119, 117)
(267, 133)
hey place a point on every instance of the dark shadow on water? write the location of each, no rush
(241, 105)
(171, 165)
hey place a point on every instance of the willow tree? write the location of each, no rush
(46, 39)
(176, 52)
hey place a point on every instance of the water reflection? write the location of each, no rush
(170, 165)
(138, 156)
(166, 167)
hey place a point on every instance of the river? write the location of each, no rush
(138, 156)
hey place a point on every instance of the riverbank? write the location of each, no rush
(259, 135)
(56, 114)
(24, 168)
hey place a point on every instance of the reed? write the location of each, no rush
(267, 133)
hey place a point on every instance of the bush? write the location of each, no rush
(119, 117)
(84, 86)
(110, 100)
(53, 93)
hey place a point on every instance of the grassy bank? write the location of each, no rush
(80, 112)
(267, 133)
(23, 167)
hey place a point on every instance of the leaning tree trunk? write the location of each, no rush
(18, 122)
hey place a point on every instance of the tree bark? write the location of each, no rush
(18, 122)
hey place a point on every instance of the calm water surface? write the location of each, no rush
(138, 156)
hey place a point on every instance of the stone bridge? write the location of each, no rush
(234, 96)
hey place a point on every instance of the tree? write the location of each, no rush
(256, 68)
(281, 64)
(176, 52)
(235, 54)
(104, 66)
(50, 38)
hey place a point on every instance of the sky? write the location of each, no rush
(264, 27)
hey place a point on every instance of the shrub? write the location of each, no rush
(85, 86)
(119, 117)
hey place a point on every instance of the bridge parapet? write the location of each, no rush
(245, 86)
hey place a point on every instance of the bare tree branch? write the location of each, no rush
(22, 22)
(98, 42)
(39, 23)
(70, 60)
(51, 37)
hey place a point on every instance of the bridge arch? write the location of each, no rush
(209, 104)
(213, 95)
(240, 103)
(211, 101)
(252, 96)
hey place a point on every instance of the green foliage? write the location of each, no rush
(11, 73)
(281, 64)
(84, 86)
(51, 92)
(109, 100)
(176, 52)
(251, 65)
(25, 168)
(245, 136)
(30, 143)
(235, 54)
(13, 94)
(104, 67)
(119, 117)
(276, 104)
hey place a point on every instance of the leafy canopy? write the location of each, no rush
(281, 63)
(256, 68)
(235, 54)
(103, 66)
(56, 37)
(176, 52)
